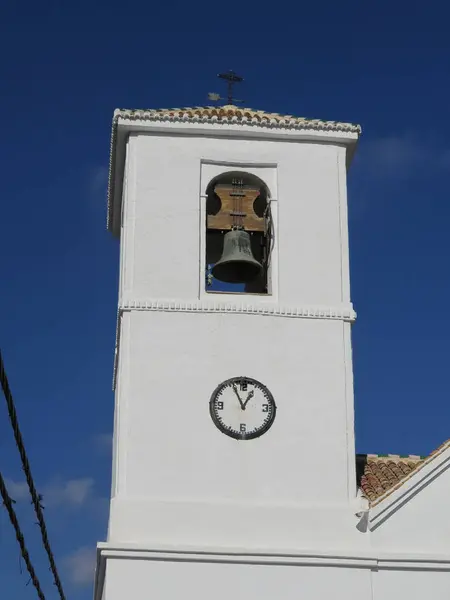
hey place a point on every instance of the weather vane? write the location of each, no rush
(231, 78)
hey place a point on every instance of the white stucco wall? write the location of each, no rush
(162, 207)
(174, 466)
(416, 518)
(222, 581)
(392, 584)
(169, 458)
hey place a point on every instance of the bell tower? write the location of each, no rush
(234, 435)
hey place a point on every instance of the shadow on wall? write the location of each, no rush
(361, 462)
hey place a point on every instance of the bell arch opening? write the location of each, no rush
(239, 234)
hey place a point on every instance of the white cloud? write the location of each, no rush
(72, 493)
(103, 442)
(395, 155)
(98, 180)
(18, 490)
(401, 156)
(80, 565)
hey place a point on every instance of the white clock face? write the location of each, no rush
(242, 408)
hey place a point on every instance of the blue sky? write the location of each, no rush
(64, 70)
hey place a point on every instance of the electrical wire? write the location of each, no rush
(36, 498)
(270, 233)
(8, 503)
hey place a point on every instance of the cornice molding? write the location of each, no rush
(354, 556)
(338, 313)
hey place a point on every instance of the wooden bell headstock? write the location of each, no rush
(236, 210)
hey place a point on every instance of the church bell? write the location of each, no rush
(237, 264)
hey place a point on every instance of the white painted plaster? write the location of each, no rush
(311, 577)
(392, 584)
(321, 575)
(411, 518)
(203, 580)
(161, 248)
(179, 469)
(175, 361)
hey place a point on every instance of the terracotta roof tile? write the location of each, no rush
(379, 474)
(234, 114)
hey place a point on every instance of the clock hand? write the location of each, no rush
(238, 397)
(251, 394)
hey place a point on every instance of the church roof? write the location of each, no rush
(234, 114)
(380, 474)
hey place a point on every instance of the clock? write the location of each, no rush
(242, 408)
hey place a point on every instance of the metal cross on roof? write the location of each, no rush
(231, 78)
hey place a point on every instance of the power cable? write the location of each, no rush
(19, 536)
(36, 498)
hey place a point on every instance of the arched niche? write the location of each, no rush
(236, 199)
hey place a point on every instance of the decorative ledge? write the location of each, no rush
(343, 313)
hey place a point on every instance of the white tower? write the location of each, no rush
(217, 494)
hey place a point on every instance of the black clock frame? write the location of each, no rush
(236, 434)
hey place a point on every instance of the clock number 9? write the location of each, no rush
(220, 406)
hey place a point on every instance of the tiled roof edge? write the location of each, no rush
(420, 462)
(397, 456)
(234, 114)
(111, 171)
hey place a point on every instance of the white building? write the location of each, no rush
(284, 511)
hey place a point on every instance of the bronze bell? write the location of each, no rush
(237, 264)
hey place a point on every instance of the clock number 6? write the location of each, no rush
(242, 428)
